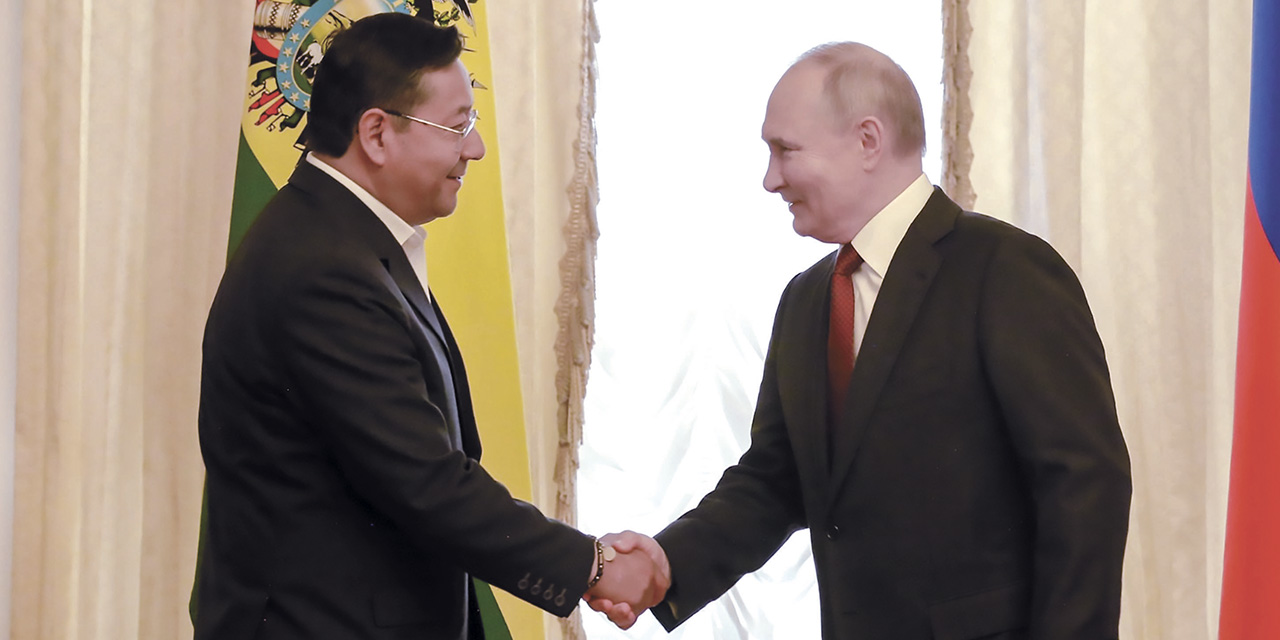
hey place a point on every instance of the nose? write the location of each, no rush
(473, 146)
(773, 176)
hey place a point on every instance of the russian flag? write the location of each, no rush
(1251, 568)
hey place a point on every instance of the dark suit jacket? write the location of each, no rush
(345, 496)
(978, 484)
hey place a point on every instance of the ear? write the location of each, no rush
(372, 135)
(870, 133)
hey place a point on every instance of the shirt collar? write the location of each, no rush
(402, 230)
(879, 239)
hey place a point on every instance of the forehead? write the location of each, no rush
(448, 90)
(795, 100)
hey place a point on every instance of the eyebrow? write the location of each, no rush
(776, 141)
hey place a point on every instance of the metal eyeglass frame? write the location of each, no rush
(462, 133)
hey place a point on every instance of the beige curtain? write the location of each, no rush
(543, 70)
(1117, 131)
(128, 142)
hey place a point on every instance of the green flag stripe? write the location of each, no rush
(252, 192)
(495, 626)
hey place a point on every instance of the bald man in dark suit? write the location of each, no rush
(935, 407)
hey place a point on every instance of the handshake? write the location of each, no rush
(634, 579)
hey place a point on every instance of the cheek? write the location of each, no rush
(805, 186)
(443, 163)
(806, 172)
(436, 169)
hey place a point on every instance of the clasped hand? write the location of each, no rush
(636, 579)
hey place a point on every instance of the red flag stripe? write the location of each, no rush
(1251, 569)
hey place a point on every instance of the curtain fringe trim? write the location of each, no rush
(957, 112)
(575, 308)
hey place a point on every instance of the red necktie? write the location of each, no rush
(840, 332)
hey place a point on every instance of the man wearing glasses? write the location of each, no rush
(345, 494)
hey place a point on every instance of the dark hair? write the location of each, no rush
(376, 62)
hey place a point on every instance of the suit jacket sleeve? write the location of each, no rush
(1047, 368)
(737, 527)
(346, 345)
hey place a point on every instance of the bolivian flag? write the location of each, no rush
(289, 40)
(1251, 571)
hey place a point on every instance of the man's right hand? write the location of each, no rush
(635, 580)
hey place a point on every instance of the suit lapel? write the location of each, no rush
(450, 364)
(807, 336)
(906, 283)
(412, 288)
(462, 390)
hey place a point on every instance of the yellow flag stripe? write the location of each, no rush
(470, 275)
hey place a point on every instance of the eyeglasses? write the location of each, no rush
(462, 133)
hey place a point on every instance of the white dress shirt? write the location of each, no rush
(876, 243)
(411, 238)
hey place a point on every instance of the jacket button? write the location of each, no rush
(833, 532)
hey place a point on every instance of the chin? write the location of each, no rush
(444, 211)
(801, 229)
(431, 216)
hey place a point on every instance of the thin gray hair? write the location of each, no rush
(861, 81)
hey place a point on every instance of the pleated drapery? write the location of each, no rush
(126, 169)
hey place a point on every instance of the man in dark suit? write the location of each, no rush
(935, 406)
(345, 495)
